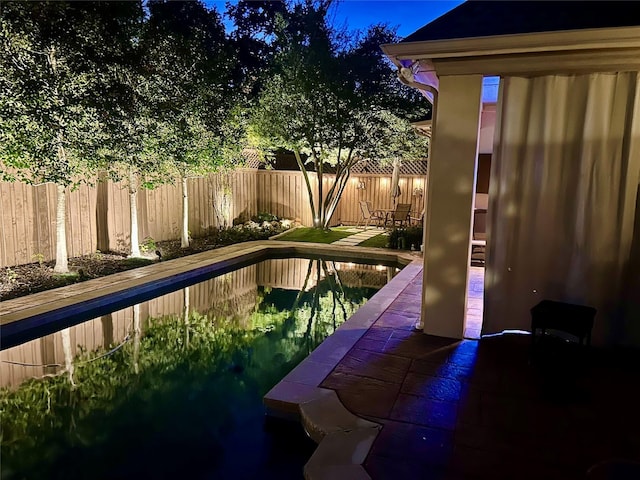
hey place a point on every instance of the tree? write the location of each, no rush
(51, 129)
(192, 68)
(133, 129)
(255, 24)
(334, 98)
(47, 130)
(130, 121)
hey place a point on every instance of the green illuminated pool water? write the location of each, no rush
(173, 387)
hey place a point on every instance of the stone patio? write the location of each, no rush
(482, 409)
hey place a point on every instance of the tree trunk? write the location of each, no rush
(320, 221)
(185, 314)
(68, 355)
(133, 201)
(334, 194)
(305, 175)
(61, 265)
(341, 182)
(184, 241)
(136, 337)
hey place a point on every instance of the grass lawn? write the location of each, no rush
(317, 235)
(379, 241)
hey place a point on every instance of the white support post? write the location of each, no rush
(448, 219)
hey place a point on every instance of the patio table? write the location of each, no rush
(388, 216)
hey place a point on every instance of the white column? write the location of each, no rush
(448, 222)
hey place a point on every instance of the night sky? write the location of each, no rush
(407, 15)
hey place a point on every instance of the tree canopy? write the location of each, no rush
(193, 86)
(332, 96)
(157, 91)
(51, 65)
(143, 91)
(52, 69)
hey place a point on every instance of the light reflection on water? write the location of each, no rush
(175, 384)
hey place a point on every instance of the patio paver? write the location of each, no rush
(480, 409)
(358, 237)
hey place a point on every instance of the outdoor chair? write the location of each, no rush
(417, 219)
(479, 240)
(400, 216)
(369, 215)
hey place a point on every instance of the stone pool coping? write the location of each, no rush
(344, 439)
(45, 312)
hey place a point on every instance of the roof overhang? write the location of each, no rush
(568, 52)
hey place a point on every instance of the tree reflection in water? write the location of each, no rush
(181, 392)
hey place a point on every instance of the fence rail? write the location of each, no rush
(98, 216)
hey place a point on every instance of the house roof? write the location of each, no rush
(490, 18)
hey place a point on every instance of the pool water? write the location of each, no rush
(172, 387)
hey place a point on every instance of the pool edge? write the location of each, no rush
(44, 312)
(343, 439)
(342, 444)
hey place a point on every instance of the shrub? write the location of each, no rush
(404, 237)
(246, 232)
(264, 217)
(148, 245)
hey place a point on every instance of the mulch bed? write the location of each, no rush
(21, 280)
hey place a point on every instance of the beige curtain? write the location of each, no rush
(564, 208)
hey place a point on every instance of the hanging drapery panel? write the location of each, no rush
(564, 202)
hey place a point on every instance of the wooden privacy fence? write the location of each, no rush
(376, 189)
(98, 216)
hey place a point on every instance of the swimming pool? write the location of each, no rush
(172, 386)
